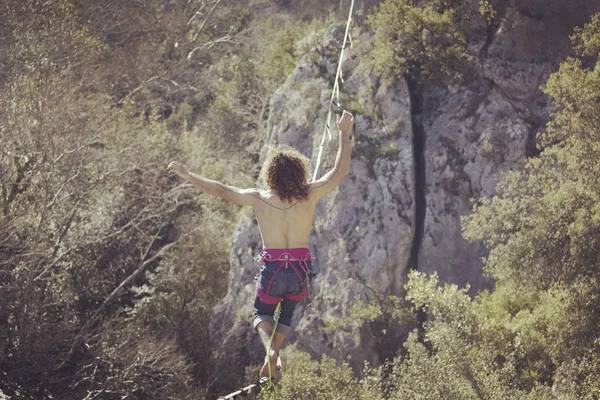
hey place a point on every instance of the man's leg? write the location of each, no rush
(264, 323)
(283, 327)
(265, 330)
(278, 340)
(285, 321)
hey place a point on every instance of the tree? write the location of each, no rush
(419, 39)
(542, 228)
(88, 209)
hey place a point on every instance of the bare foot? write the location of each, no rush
(275, 363)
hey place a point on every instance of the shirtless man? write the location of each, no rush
(284, 212)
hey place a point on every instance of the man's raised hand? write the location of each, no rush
(178, 168)
(345, 122)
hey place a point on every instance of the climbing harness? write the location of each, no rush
(335, 93)
(287, 258)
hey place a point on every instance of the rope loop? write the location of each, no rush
(335, 93)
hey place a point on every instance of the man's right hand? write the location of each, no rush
(345, 122)
(178, 168)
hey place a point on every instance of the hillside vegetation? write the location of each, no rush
(110, 268)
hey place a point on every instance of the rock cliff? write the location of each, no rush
(419, 157)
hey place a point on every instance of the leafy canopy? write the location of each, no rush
(421, 39)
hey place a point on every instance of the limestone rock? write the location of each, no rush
(477, 129)
(472, 135)
(365, 230)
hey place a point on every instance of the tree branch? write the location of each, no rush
(210, 13)
(140, 269)
(225, 39)
(198, 12)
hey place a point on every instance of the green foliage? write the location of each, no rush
(389, 310)
(50, 36)
(95, 298)
(291, 41)
(428, 377)
(447, 369)
(359, 314)
(488, 151)
(586, 40)
(418, 39)
(364, 104)
(472, 348)
(541, 229)
(487, 10)
(322, 379)
(282, 55)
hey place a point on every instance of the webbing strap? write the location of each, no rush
(335, 93)
(266, 298)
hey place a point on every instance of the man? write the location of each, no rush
(284, 212)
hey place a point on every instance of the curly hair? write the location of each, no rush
(286, 172)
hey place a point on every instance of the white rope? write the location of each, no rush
(335, 94)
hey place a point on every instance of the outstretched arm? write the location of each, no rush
(322, 187)
(242, 197)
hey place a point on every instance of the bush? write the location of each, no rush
(304, 378)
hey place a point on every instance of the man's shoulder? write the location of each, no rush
(270, 199)
(263, 195)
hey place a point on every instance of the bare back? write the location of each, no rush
(282, 224)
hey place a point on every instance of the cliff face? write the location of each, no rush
(364, 230)
(419, 156)
(486, 125)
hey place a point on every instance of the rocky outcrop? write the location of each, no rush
(419, 157)
(472, 135)
(363, 231)
(478, 129)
